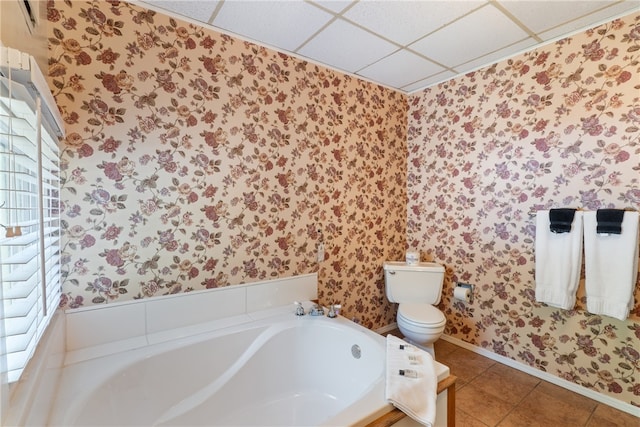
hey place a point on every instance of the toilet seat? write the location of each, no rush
(421, 315)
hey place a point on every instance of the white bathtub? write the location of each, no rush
(278, 370)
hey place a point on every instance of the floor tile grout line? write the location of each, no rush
(512, 406)
(472, 417)
(593, 411)
(516, 405)
(482, 372)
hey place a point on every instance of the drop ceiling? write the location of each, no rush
(405, 45)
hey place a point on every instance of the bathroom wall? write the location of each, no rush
(195, 160)
(16, 33)
(554, 127)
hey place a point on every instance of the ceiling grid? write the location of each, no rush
(406, 45)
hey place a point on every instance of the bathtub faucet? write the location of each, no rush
(299, 308)
(332, 311)
(316, 310)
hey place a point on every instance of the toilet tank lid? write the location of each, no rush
(423, 266)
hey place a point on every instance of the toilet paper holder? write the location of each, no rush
(467, 286)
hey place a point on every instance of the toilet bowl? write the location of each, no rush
(417, 288)
(421, 324)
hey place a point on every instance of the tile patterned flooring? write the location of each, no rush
(489, 393)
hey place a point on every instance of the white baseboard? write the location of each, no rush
(587, 392)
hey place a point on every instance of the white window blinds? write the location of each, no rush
(30, 219)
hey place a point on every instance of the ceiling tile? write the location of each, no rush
(614, 10)
(538, 19)
(406, 21)
(346, 47)
(400, 68)
(490, 29)
(284, 25)
(198, 10)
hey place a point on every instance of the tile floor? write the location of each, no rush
(489, 393)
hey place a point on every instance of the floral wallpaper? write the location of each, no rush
(194, 160)
(554, 127)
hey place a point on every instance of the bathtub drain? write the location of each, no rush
(355, 351)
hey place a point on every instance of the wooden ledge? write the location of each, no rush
(449, 384)
(446, 383)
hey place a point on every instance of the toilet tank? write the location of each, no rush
(420, 283)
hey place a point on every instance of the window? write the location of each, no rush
(30, 219)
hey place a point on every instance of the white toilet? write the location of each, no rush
(417, 288)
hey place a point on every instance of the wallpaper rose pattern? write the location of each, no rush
(194, 160)
(555, 127)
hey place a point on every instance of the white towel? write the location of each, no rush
(611, 266)
(415, 397)
(558, 262)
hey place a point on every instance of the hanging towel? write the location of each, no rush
(560, 220)
(611, 266)
(415, 392)
(609, 221)
(558, 262)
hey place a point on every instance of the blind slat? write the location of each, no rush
(21, 307)
(22, 273)
(19, 289)
(26, 239)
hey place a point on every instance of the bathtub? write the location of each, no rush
(269, 369)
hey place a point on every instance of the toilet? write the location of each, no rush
(417, 288)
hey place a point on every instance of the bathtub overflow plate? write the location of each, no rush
(355, 351)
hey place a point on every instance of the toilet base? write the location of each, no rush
(421, 324)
